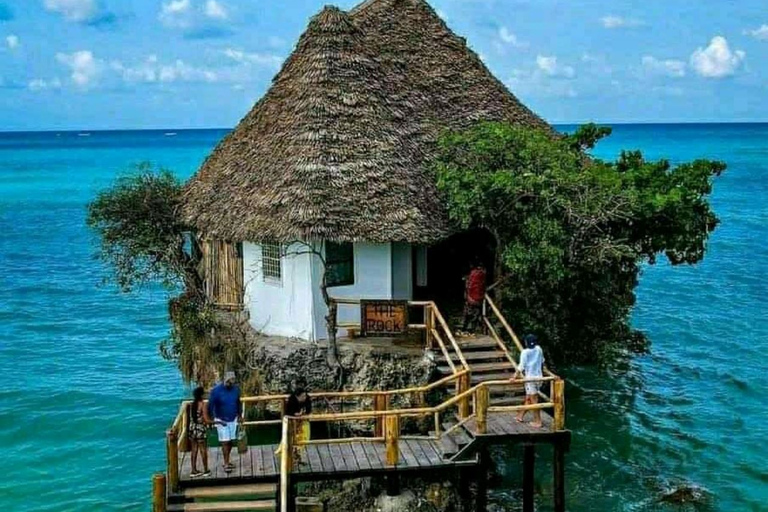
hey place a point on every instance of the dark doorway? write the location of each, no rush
(448, 262)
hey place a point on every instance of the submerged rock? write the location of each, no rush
(684, 493)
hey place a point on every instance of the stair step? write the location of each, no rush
(507, 400)
(248, 490)
(481, 367)
(448, 445)
(477, 379)
(467, 344)
(458, 436)
(473, 356)
(224, 506)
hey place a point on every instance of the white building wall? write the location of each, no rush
(281, 308)
(373, 280)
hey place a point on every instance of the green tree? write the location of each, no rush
(572, 231)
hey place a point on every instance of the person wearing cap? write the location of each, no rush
(226, 409)
(531, 366)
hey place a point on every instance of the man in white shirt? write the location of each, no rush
(531, 366)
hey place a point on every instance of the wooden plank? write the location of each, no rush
(314, 459)
(432, 451)
(408, 458)
(362, 459)
(228, 491)
(326, 457)
(349, 457)
(270, 460)
(421, 456)
(258, 461)
(338, 459)
(186, 466)
(231, 506)
(247, 463)
(375, 453)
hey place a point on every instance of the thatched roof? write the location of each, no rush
(339, 147)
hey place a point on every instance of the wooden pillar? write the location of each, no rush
(158, 492)
(287, 497)
(559, 478)
(391, 436)
(379, 404)
(172, 451)
(393, 484)
(482, 398)
(429, 322)
(465, 495)
(481, 500)
(529, 460)
(462, 386)
(558, 399)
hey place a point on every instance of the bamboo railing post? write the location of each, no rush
(285, 465)
(379, 404)
(558, 398)
(429, 323)
(391, 436)
(172, 449)
(481, 402)
(158, 492)
(462, 385)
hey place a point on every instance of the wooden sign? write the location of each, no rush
(383, 317)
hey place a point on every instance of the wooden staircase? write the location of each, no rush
(227, 498)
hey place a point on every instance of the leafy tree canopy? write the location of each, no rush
(572, 231)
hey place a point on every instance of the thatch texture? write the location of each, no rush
(339, 147)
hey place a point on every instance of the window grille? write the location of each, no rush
(271, 264)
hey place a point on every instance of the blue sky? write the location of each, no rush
(101, 64)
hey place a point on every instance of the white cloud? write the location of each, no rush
(717, 60)
(84, 67)
(38, 84)
(551, 67)
(12, 41)
(509, 38)
(760, 33)
(611, 21)
(79, 11)
(154, 71)
(263, 59)
(197, 18)
(215, 10)
(669, 67)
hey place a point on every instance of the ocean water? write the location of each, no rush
(85, 396)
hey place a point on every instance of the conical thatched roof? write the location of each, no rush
(339, 147)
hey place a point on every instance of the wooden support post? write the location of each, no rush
(481, 499)
(465, 496)
(158, 492)
(286, 453)
(463, 385)
(379, 404)
(172, 451)
(393, 484)
(558, 398)
(429, 322)
(482, 399)
(529, 460)
(559, 478)
(392, 435)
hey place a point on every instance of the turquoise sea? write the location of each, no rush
(85, 396)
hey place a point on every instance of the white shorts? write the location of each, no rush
(226, 432)
(532, 388)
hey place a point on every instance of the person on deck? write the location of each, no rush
(474, 294)
(199, 421)
(531, 366)
(226, 409)
(297, 405)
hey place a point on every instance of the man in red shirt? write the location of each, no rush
(474, 294)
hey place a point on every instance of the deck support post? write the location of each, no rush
(529, 460)
(429, 323)
(158, 492)
(558, 398)
(462, 385)
(559, 478)
(465, 496)
(482, 399)
(481, 499)
(172, 450)
(393, 484)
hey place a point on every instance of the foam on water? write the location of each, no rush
(86, 397)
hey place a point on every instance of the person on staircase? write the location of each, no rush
(199, 422)
(531, 367)
(474, 294)
(226, 409)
